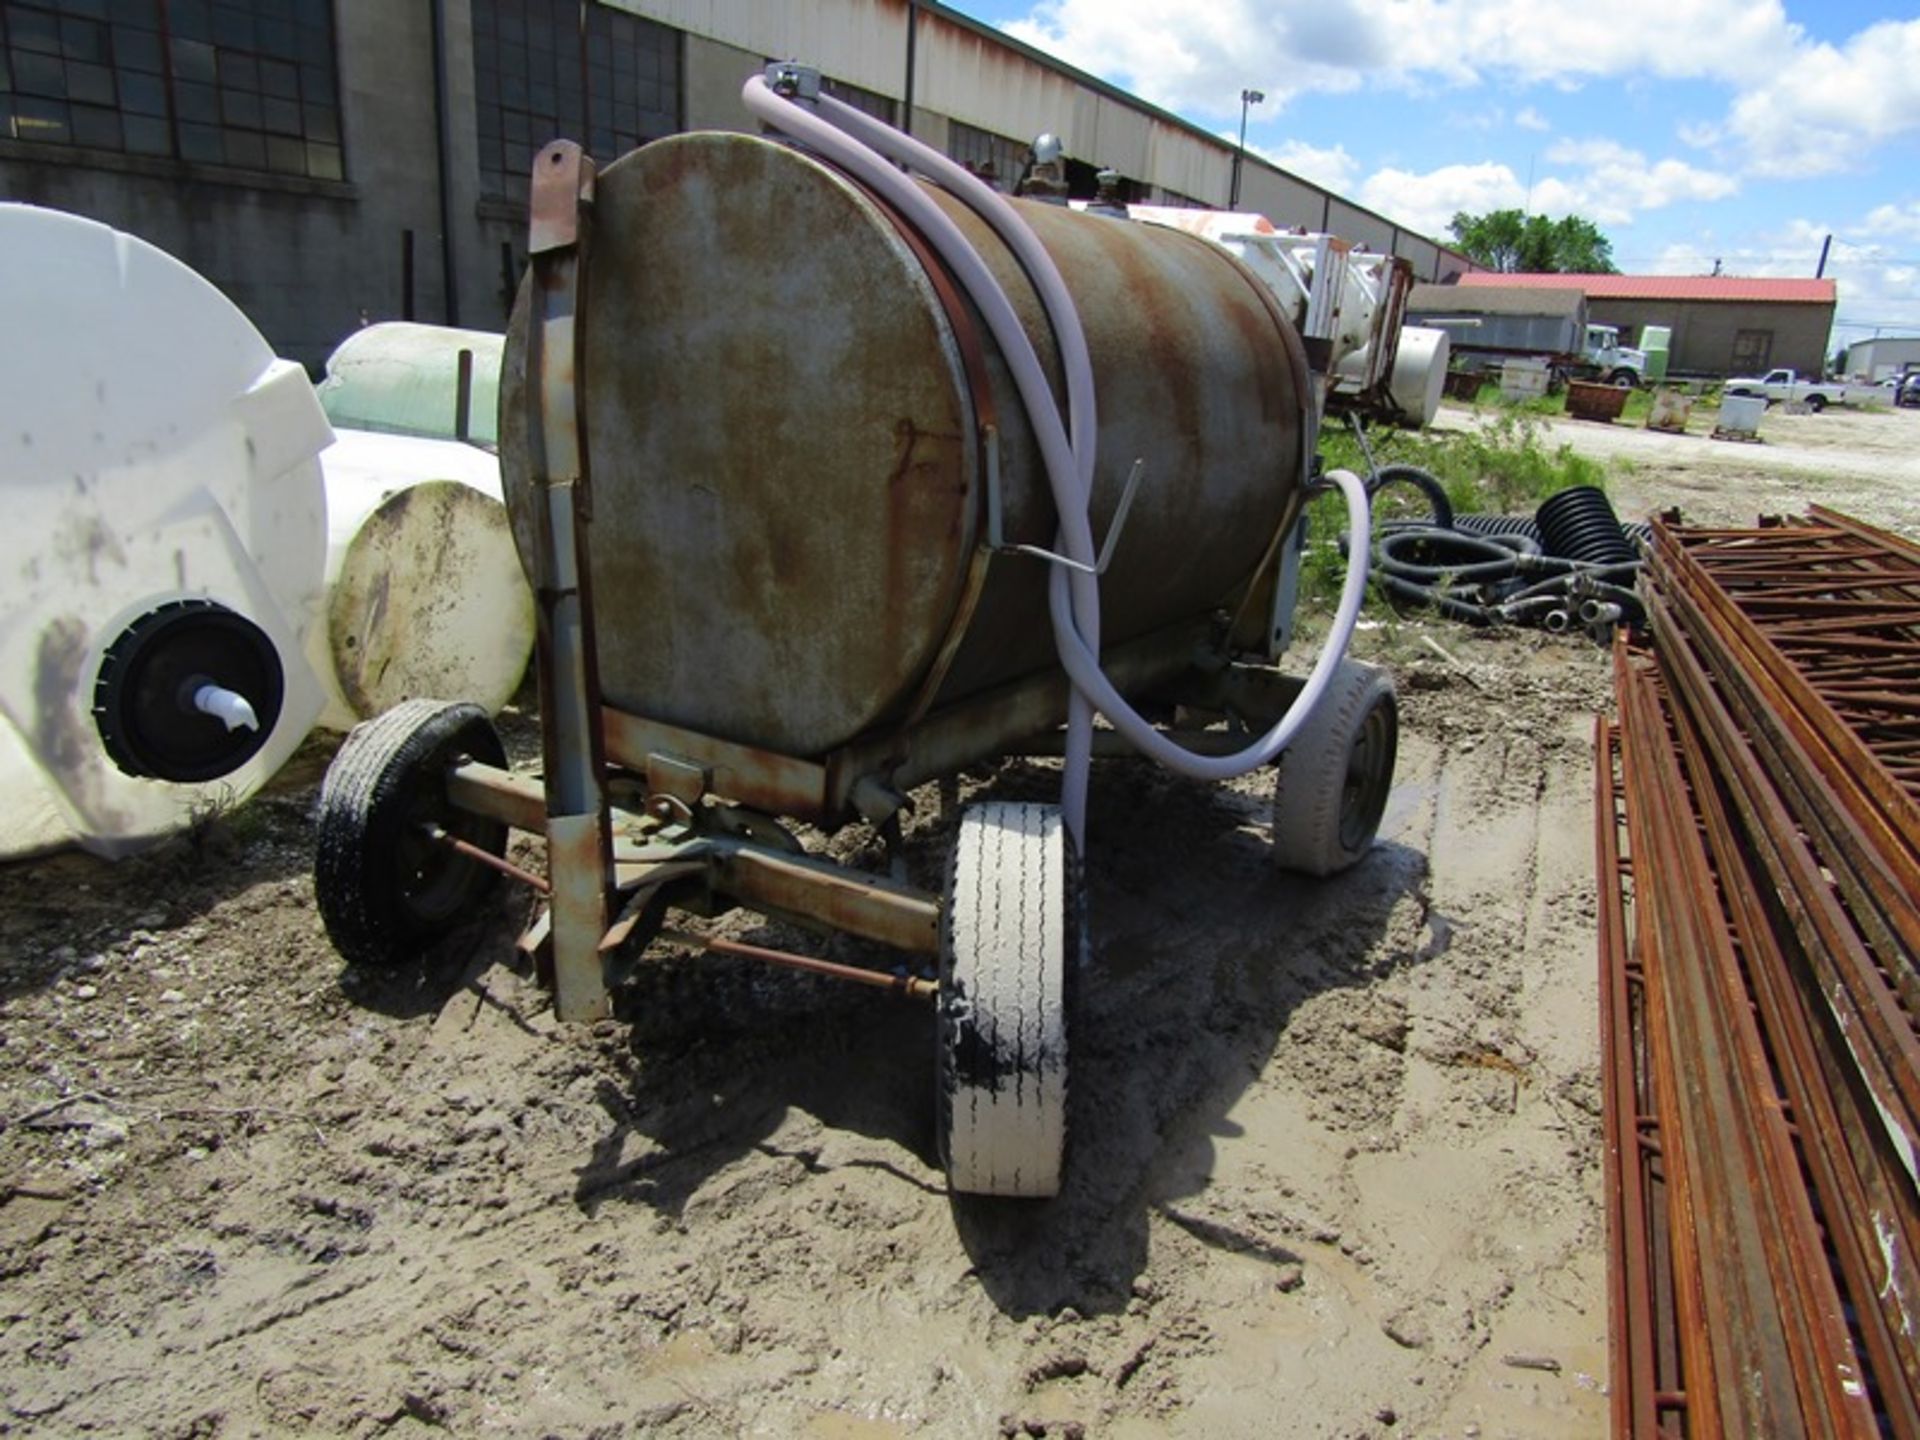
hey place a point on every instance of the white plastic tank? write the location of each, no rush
(163, 546)
(425, 594)
(1740, 415)
(1420, 373)
(404, 379)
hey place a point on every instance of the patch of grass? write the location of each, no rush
(1505, 466)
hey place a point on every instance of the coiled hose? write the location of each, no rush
(863, 147)
(1505, 569)
(1425, 481)
(1496, 580)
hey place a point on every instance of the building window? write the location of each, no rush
(245, 83)
(1752, 351)
(547, 69)
(869, 102)
(994, 158)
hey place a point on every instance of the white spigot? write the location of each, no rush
(229, 707)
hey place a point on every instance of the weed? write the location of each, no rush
(1503, 466)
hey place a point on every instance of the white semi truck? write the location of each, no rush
(1492, 324)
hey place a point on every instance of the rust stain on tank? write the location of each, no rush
(1160, 308)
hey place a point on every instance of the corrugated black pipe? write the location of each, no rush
(1580, 524)
(1498, 525)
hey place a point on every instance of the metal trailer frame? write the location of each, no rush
(642, 816)
(623, 801)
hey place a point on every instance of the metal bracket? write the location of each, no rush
(579, 836)
(791, 80)
(1360, 437)
(996, 532)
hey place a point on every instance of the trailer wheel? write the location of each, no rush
(1330, 786)
(1011, 929)
(385, 889)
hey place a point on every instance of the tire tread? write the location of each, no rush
(1310, 775)
(1008, 936)
(360, 802)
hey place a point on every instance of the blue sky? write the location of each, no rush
(1742, 131)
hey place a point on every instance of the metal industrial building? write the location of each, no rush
(1722, 324)
(1882, 356)
(327, 162)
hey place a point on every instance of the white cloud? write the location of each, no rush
(1615, 183)
(1603, 181)
(1897, 222)
(1427, 202)
(1531, 119)
(1796, 107)
(1822, 108)
(1199, 57)
(1874, 285)
(1332, 166)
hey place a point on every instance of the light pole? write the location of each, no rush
(1247, 97)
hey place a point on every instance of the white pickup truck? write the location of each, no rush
(1787, 385)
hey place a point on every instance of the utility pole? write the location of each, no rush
(1247, 97)
(1826, 246)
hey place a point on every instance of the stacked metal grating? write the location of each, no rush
(1758, 807)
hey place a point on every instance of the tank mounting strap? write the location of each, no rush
(579, 837)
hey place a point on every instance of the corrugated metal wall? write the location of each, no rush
(1361, 227)
(1882, 356)
(989, 82)
(861, 41)
(1423, 255)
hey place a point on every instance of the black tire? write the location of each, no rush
(1011, 931)
(385, 890)
(1425, 481)
(1330, 785)
(1816, 403)
(1624, 380)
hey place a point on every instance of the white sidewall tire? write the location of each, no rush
(1310, 788)
(1009, 934)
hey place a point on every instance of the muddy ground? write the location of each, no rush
(1335, 1165)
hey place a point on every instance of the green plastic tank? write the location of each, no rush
(1656, 341)
(404, 379)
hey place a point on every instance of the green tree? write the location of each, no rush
(1513, 243)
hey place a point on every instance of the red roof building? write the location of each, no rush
(1722, 324)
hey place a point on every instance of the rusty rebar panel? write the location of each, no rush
(1769, 761)
(1750, 1271)
(1633, 1322)
(1867, 599)
(1829, 1133)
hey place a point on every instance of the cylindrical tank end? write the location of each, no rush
(189, 692)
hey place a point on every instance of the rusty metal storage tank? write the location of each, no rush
(792, 416)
